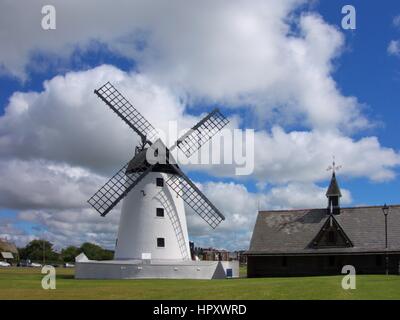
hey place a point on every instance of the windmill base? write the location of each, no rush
(154, 269)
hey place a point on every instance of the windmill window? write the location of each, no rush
(160, 242)
(160, 212)
(160, 182)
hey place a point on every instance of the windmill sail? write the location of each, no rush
(192, 140)
(108, 196)
(193, 197)
(127, 112)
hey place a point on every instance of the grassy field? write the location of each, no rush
(25, 283)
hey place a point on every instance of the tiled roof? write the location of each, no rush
(292, 231)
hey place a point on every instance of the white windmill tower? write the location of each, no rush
(153, 220)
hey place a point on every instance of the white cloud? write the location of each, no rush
(396, 21)
(303, 156)
(53, 143)
(38, 184)
(58, 145)
(75, 226)
(394, 45)
(394, 48)
(257, 54)
(241, 209)
(68, 123)
(11, 232)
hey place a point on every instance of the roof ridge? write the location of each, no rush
(308, 209)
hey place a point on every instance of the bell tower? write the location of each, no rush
(333, 194)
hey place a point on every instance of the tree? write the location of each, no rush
(68, 254)
(37, 250)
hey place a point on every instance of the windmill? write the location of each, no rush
(153, 220)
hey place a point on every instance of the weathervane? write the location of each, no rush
(333, 167)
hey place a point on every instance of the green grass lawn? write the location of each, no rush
(25, 283)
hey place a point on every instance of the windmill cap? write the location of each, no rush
(139, 164)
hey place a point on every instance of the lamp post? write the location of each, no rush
(385, 210)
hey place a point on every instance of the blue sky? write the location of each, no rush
(363, 69)
(366, 71)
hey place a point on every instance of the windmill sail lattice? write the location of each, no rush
(194, 198)
(127, 112)
(108, 196)
(191, 141)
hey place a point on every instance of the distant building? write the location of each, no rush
(212, 254)
(322, 241)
